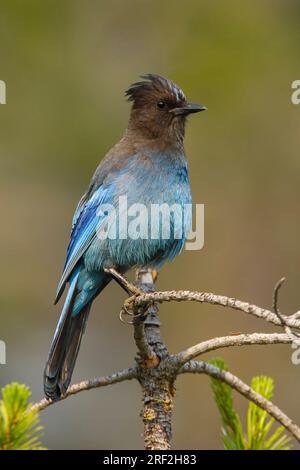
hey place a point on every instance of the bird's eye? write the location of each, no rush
(161, 104)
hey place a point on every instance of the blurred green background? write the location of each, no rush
(66, 64)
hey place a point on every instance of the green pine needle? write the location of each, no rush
(232, 432)
(259, 423)
(19, 426)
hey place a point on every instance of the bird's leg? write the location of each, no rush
(133, 290)
(128, 286)
(145, 279)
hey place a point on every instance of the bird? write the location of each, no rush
(147, 166)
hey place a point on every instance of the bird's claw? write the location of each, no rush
(128, 309)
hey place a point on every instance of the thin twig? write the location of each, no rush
(283, 320)
(275, 299)
(226, 341)
(237, 384)
(121, 376)
(214, 299)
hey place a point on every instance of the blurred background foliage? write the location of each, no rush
(66, 64)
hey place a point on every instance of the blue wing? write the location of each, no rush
(83, 232)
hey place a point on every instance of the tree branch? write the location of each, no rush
(155, 376)
(214, 299)
(226, 341)
(237, 384)
(156, 370)
(121, 376)
(294, 336)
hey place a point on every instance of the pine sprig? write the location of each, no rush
(259, 423)
(19, 426)
(232, 432)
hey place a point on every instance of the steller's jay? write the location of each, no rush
(148, 166)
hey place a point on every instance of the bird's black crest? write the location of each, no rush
(154, 85)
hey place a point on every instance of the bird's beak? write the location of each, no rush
(188, 109)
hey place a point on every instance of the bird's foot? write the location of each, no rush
(145, 283)
(129, 310)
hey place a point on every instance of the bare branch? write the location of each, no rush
(226, 341)
(295, 338)
(275, 299)
(237, 384)
(214, 299)
(156, 370)
(121, 376)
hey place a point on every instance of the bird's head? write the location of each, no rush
(159, 108)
